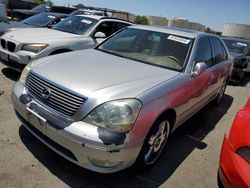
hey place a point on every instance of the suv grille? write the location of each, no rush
(3, 43)
(62, 101)
(11, 46)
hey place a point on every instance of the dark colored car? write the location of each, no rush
(234, 167)
(22, 14)
(240, 52)
(40, 20)
(61, 9)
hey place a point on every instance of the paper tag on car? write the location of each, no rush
(179, 39)
(241, 44)
(86, 21)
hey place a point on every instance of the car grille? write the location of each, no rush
(11, 46)
(3, 43)
(60, 100)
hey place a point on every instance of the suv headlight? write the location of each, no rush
(26, 71)
(35, 48)
(119, 115)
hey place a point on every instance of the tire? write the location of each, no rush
(221, 93)
(154, 143)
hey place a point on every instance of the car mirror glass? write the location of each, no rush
(99, 35)
(199, 69)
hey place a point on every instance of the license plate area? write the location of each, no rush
(36, 120)
(4, 56)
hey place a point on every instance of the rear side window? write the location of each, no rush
(204, 52)
(118, 26)
(218, 51)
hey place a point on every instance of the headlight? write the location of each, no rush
(35, 48)
(119, 115)
(26, 71)
(244, 152)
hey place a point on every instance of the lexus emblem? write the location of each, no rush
(46, 92)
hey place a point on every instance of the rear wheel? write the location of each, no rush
(154, 143)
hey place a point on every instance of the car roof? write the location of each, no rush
(96, 17)
(172, 30)
(55, 14)
(236, 39)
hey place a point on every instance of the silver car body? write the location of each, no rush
(98, 77)
(56, 41)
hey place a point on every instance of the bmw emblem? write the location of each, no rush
(46, 92)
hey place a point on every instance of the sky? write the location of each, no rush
(212, 13)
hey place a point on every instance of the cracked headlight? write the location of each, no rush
(35, 48)
(119, 115)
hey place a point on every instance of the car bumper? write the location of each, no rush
(233, 170)
(87, 150)
(16, 60)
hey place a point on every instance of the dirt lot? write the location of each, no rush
(190, 159)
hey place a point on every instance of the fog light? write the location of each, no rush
(104, 164)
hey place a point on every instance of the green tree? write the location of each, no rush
(143, 20)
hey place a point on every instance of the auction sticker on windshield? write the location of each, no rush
(86, 21)
(179, 39)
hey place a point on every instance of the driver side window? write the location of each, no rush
(106, 28)
(204, 52)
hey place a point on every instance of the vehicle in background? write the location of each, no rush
(234, 166)
(110, 107)
(240, 51)
(20, 47)
(38, 20)
(22, 14)
(61, 9)
(2, 14)
(88, 12)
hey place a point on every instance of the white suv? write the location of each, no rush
(77, 32)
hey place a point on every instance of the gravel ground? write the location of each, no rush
(190, 159)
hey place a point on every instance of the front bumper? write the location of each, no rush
(78, 142)
(16, 60)
(233, 170)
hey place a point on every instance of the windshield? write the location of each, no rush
(160, 49)
(40, 8)
(39, 20)
(236, 46)
(76, 24)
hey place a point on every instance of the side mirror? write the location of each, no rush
(99, 35)
(199, 69)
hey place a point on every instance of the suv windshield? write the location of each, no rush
(236, 46)
(160, 49)
(76, 24)
(39, 20)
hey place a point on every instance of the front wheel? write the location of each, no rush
(154, 143)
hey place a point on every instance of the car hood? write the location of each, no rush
(14, 25)
(94, 73)
(236, 55)
(39, 35)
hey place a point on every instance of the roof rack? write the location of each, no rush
(106, 11)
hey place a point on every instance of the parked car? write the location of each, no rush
(22, 14)
(38, 20)
(20, 47)
(61, 9)
(234, 167)
(109, 107)
(240, 51)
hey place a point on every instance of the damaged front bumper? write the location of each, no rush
(86, 145)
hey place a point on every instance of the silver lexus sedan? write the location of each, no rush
(108, 108)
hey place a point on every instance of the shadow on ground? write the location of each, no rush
(11, 74)
(182, 142)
